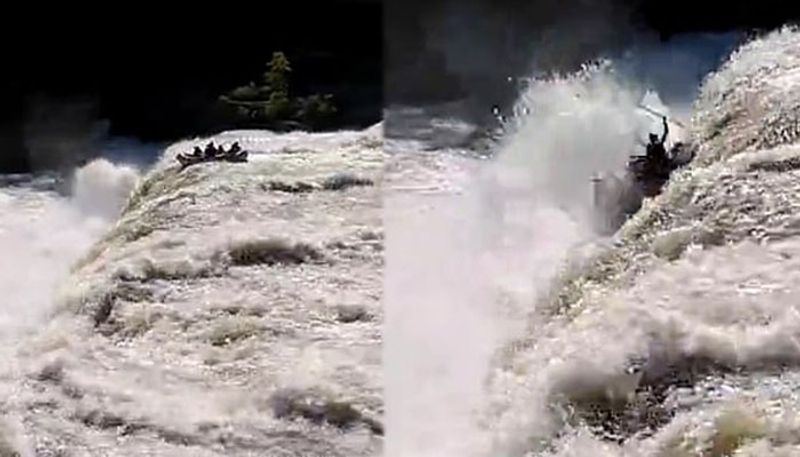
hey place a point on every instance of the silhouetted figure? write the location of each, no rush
(210, 151)
(197, 152)
(220, 152)
(657, 159)
(235, 148)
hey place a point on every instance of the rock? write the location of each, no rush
(352, 313)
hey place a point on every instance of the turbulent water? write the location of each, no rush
(238, 309)
(226, 309)
(513, 329)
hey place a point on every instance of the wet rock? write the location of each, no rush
(293, 188)
(352, 313)
(100, 419)
(103, 311)
(780, 166)
(646, 411)
(292, 403)
(272, 251)
(342, 181)
(52, 372)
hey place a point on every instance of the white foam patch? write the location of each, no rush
(101, 188)
(42, 234)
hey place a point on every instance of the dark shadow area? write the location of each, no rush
(469, 50)
(156, 75)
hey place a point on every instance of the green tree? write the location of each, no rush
(277, 77)
(270, 102)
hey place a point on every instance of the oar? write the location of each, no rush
(656, 113)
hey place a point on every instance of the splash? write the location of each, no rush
(43, 233)
(101, 188)
(680, 339)
(464, 267)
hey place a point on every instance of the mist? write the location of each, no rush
(42, 233)
(477, 52)
(60, 134)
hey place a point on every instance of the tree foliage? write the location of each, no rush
(270, 104)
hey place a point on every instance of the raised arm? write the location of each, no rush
(666, 130)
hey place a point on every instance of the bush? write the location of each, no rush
(270, 103)
(317, 110)
(246, 93)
